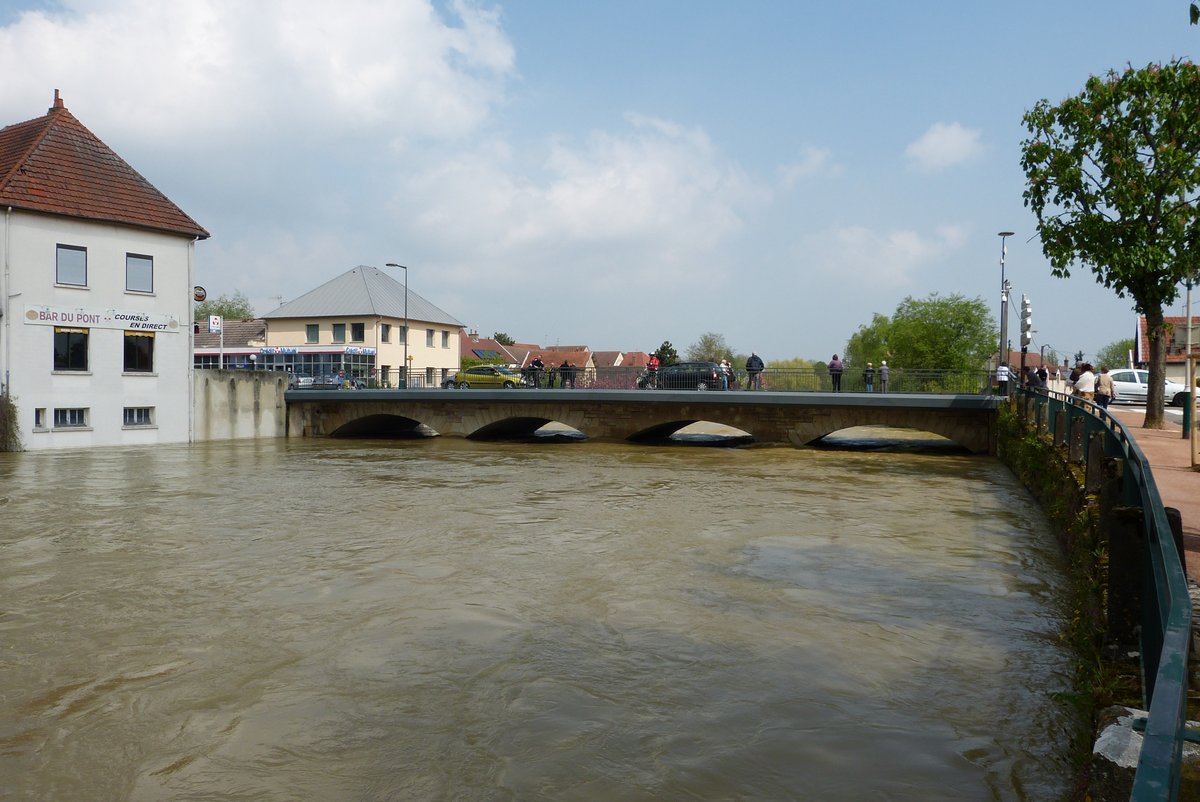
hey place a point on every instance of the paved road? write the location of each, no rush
(1170, 461)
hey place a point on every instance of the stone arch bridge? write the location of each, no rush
(800, 419)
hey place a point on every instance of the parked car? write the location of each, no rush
(683, 376)
(297, 382)
(1133, 385)
(494, 376)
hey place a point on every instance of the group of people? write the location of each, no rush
(564, 375)
(1082, 381)
(1087, 384)
(869, 374)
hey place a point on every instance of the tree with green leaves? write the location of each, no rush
(503, 338)
(230, 307)
(950, 333)
(1115, 355)
(711, 347)
(667, 354)
(869, 343)
(1113, 175)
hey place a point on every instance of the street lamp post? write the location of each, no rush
(1003, 299)
(406, 365)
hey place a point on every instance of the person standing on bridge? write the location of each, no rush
(883, 376)
(754, 369)
(835, 373)
(869, 378)
(536, 367)
(1002, 376)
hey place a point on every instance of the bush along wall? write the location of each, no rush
(10, 436)
(1104, 673)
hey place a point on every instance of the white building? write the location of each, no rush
(95, 292)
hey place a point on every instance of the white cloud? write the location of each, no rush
(812, 161)
(654, 197)
(863, 257)
(944, 145)
(224, 68)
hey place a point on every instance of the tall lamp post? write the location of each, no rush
(1003, 299)
(405, 269)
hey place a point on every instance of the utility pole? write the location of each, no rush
(1026, 331)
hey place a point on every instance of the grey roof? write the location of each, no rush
(362, 291)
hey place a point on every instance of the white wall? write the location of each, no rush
(239, 404)
(29, 251)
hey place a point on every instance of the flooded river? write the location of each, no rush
(451, 620)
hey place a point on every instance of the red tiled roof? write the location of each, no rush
(55, 165)
(635, 359)
(606, 359)
(1175, 353)
(238, 334)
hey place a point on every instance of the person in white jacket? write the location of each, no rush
(1085, 385)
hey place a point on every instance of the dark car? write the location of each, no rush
(683, 376)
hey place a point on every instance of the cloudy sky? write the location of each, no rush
(614, 173)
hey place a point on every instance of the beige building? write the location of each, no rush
(354, 328)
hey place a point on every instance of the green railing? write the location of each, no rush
(1166, 606)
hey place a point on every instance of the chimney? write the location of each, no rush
(58, 102)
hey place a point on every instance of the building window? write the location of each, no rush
(339, 332)
(445, 339)
(139, 352)
(358, 332)
(71, 418)
(139, 273)
(39, 418)
(139, 416)
(404, 335)
(385, 332)
(428, 338)
(429, 380)
(312, 333)
(72, 266)
(70, 348)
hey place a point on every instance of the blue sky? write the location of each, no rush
(609, 173)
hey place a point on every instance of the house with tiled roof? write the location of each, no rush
(1177, 343)
(96, 292)
(237, 345)
(485, 349)
(357, 326)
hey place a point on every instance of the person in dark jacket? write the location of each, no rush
(835, 373)
(869, 378)
(754, 369)
(536, 367)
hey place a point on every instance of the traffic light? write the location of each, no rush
(1026, 323)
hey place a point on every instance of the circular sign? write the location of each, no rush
(199, 293)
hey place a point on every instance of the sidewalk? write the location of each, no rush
(1170, 460)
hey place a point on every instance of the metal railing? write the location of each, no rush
(1166, 606)
(800, 380)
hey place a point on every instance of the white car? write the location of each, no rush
(1131, 386)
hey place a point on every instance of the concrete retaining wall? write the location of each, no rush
(239, 404)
